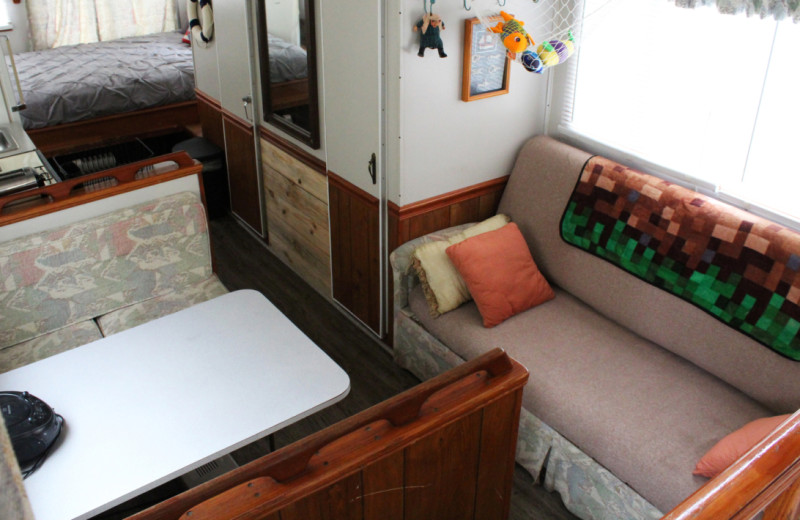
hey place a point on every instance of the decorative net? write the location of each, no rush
(554, 27)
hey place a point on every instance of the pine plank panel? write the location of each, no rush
(314, 269)
(297, 210)
(383, 489)
(312, 181)
(499, 433)
(438, 484)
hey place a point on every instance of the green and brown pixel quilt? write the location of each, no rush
(739, 267)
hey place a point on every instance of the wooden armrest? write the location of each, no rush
(766, 478)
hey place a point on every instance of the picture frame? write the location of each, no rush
(487, 67)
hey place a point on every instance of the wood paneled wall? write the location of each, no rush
(240, 157)
(209, 112)
(296, 194)
(471, 204)
(355, 249)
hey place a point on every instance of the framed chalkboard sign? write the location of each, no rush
(486, 64)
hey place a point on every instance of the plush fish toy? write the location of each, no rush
(514, 37)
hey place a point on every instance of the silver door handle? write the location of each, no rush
(245, 103)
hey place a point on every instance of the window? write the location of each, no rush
(5, 21)
(709, 99)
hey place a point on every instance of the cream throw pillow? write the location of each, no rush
(444, 288)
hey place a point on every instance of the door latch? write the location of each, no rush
(245, 103)
(373, 170)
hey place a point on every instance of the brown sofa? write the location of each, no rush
(629, 385)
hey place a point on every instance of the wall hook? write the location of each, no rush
(465, 5)
(501, 5)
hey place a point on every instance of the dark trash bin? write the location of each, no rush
(215, 178)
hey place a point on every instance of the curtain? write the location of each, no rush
(67, 22)
(778, 9)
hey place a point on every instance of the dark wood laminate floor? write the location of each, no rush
(242, 261)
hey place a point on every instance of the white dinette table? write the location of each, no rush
(151, 403)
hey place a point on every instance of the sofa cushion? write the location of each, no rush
(142, 312)
(646, 310)
(607, 390)
(48, 344)
(444, 288)
(64, 276)
(500, 273)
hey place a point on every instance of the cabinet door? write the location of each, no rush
(241, 158)
(233, 35)
(353, 142)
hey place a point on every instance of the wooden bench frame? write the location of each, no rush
(72, 192)
(441, 450)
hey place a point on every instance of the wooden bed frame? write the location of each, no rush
(442, 450)
(289, 94)
(70, 137)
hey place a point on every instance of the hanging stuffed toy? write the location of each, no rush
(429, 28)
(513, 36)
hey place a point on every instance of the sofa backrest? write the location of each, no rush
(536, 196)
(83, 270)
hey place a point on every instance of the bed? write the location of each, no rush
(91, 90)
(288, 74)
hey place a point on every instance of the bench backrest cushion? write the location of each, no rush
(536, 196)
(53, 279)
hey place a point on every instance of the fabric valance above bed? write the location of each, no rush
(77, 82)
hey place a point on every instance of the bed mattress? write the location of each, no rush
(287, 62)
(77, 82)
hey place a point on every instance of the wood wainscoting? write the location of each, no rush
(209, 112)
(470, 204)
(355, 250)
(296, 195)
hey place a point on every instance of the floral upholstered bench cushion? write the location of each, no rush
(65, 276)
(49, 344)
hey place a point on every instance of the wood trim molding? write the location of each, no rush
(298, 153)
(202, 96)
(352, 189)
(453, 197)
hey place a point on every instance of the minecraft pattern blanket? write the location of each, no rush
(741, 268)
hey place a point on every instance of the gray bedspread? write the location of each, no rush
(85, 81)
(287, 62)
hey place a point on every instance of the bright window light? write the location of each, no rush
(707, 95)
(5, 22)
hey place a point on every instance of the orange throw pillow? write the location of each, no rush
(500, 273)
(734, 445)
